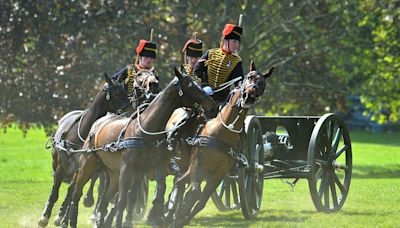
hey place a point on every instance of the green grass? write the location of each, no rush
(374, 199)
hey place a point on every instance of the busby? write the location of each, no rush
(232, 31)
(193, 48)
(146, 48)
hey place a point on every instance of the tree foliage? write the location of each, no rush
(54, 52)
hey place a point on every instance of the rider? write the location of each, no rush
(145, 57)
(219, 65)
(192, 51)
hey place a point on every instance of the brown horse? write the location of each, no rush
(146, 87)
(216, 148)
(137, 154)
(72, 129)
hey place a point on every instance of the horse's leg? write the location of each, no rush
(58, 177)
(132, 197)
(194, 191)
(111, 188)
(101, 190)
(175, 198)
(61, 214)
(88, 200)
(87, 166)
(191, 197)
(212, 184)
(156, 214)
(111, 214)
(125, 182)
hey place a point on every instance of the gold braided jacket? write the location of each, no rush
(130, 80)
(219, 66)
(189, 71)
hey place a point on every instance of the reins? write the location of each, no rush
(239, 104)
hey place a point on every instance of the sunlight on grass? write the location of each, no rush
(26, 180)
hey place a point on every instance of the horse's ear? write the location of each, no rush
(267, 75)
(108, 79)
(252, 66)
(177, 73)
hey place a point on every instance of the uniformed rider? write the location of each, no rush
(220, 65)
(192, 51)
(145, 58)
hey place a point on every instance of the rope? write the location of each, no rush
(231, 125)
(227, 84)
(79, 126)
(159, 132)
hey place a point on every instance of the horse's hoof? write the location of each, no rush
(88, 201)
(57, 220)
(127, 224)
(43, 221)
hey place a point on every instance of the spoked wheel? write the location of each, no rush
(226, 196)
(142, 196)
(251, 179)
(330, 160)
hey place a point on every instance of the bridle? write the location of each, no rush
(241, 102)
(142, 86)
(245, 85)
(107, 89)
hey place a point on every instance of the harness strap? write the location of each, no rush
(213, 143)
(132, 142)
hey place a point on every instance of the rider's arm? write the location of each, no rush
(121, 75)
(200, 70)
(237, 72)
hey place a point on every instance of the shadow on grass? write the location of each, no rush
(268, 216)
(376, 171)
(287, 216)
(357, 213)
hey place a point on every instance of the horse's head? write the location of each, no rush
(253, 85)
(115, 96)
(147, 84)
(192, 94)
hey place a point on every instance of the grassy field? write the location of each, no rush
(373, 201)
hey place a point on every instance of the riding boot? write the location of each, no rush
(173, 167)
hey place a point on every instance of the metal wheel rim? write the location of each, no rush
(226, 196)
(251, 182)
(329, 179)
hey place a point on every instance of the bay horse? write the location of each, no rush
(71, 133)
(145, 89)
(216, 148)
(137, 154)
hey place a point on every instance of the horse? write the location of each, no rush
(145, 89)
(216, 147)
(135, 149)
(71, 133)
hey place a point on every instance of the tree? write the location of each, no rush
(55, 52)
